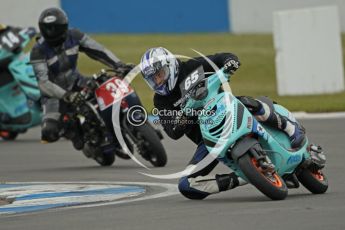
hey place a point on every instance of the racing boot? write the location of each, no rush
(297, 136)
(210, 184)
(77, 142)
(75, 134)
(227, 181)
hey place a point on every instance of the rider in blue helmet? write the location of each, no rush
(163, 72)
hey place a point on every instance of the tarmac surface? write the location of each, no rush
(162, 207)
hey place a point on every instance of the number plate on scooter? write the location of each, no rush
(112, 91)
(10, 40)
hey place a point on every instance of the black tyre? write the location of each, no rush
(153, 149)
(272, 185)
(313, 180)
(9, 136)
(104, 159)
(124, 155)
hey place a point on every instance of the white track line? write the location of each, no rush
(171, 189)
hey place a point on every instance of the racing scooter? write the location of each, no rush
(256, 152)
(19, 93)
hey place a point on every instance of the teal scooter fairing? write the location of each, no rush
(231, 132)
(19, 94)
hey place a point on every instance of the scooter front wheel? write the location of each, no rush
(269, 183)
(153, 147)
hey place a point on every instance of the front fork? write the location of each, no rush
(128, 133)
(261, 157)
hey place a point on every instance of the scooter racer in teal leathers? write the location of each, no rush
(258, 139)
(19, 94)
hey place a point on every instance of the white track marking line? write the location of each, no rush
(171, 189)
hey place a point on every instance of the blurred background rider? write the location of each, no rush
(54, 59)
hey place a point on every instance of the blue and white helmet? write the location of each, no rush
(159, 59)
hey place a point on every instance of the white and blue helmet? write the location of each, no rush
(155, 60)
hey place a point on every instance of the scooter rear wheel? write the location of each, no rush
(313, 180)
(270, 184)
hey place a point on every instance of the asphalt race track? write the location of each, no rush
(26, 160)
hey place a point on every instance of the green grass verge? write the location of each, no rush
(255, 77)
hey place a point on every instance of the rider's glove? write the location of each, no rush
(180, 123)
(31, 32)
(231, 64)
(123, 69)
(74, 98)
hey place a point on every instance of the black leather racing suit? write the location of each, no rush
(56, 70)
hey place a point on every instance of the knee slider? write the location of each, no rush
(183, 184)
(189, 192)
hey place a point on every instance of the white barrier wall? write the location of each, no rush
(23, 12)
(255, 16)
(308, 51)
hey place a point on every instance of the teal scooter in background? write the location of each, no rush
(19, 93)
(257, 153)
